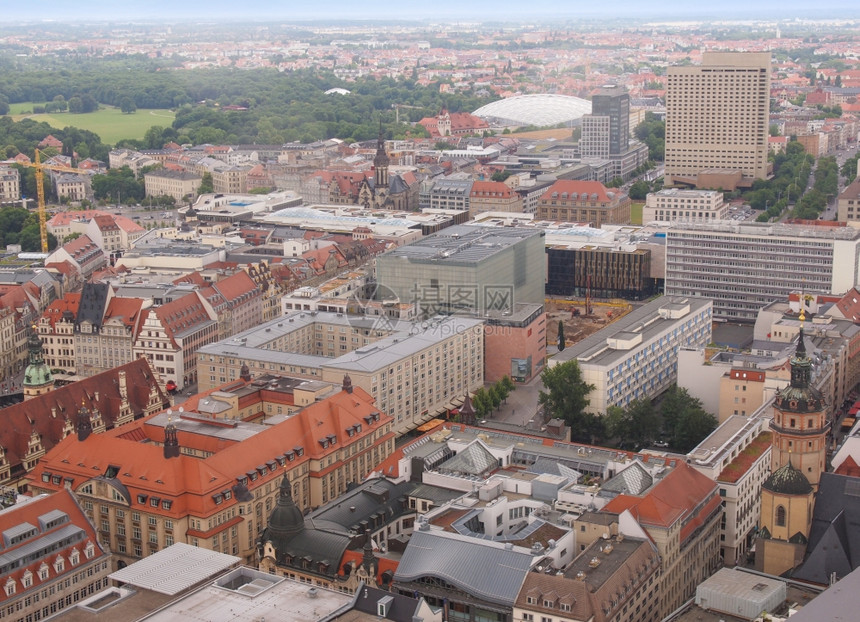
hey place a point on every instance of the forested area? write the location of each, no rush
(281, 106)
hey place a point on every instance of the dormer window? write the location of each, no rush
(27, 579)
(10, 587)
(218, 498)
(154, 501)
(142, 499)
(291, 455)
(59, 565)
(300, 451)
(43, 571)
(89, 550)
(74, 557)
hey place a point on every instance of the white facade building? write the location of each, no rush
(637, 356)
(684, 205)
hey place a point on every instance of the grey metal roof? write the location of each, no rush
(461, 244)
(378, 496)
(463, 562)
(834, 539)
(175, 569)
(68, 534)
(838, 602)
(319, 541)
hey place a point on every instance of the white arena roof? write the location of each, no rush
(539, 110)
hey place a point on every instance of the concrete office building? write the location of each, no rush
(717, 116)
(637, 356)
(743, 267)
(467, 268)
(607, 129)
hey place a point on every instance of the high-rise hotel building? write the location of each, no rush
(717, 116)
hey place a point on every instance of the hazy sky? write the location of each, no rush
(441, 10)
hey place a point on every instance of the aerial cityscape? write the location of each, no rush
(447, 313)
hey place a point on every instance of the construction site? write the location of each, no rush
(581, 317)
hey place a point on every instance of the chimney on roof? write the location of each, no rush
(245, 372)
(84, 424)
(171, 442)
(123, 390)
(347, 383)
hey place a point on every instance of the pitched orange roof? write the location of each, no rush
(190, 482)
(674, 497)
(581, 187)
(237, 286)
(62, 219)
(56, 309)
(128, 310)
(491, 189)
(182, 314)
(848, 467)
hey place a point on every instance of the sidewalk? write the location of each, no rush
(522, 403)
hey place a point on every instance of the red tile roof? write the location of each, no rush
(128, 310)
(848, 467)
(46, 414)
(675, 497)
(182, 314)
(55, 310)
(237, 287)
(581, 187)
(495, 189)
(191, 481)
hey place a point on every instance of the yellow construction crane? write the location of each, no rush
(40, 191)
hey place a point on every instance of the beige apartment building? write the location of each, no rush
(717, 116)
(413, 370)
(176, 184)
(10, 184)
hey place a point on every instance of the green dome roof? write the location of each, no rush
(787, 480)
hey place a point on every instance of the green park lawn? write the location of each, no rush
(109, 123)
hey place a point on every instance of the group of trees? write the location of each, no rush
(652, 132)
(23, 137)
(486, 400)
(825, 187)
(791, 171)
(679, 418)
(20, 226)
(118, 185)
(278, 106)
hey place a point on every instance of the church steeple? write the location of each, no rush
(37, 375)
(801, 363)
(380, 163)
